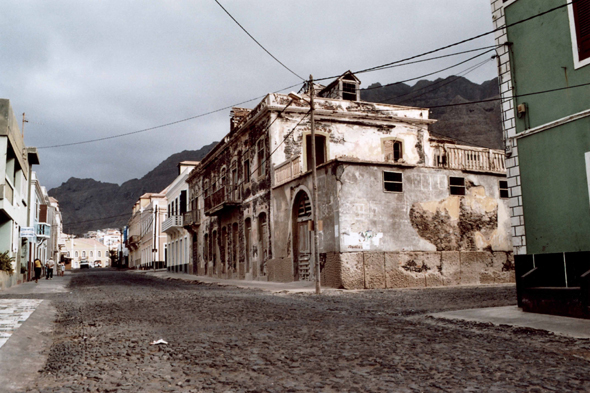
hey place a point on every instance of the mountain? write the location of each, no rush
(474, 124)
(87, 204)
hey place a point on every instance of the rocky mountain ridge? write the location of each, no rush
(87, 204)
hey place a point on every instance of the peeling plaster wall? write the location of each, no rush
(352, 129)
(372, 219)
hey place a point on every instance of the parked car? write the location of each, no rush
(84, 265)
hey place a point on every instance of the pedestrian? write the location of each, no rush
(38, 267)
(62, 269)
(50, 265)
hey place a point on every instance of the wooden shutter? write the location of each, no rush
(582, 20)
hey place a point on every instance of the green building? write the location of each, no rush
(544, 76)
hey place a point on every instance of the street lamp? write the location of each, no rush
(314, 178)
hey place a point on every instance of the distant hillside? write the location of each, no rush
(478, 124)
(87, 204)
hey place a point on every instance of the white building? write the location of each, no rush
(179, 240)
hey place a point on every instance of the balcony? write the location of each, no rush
(287, 171)
(172, 223)
(192, 218)
(133, 242)
(43, 230)
(468, 158)
(223, 199)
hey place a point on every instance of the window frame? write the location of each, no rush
(500, 189)
(400, 182)
(574, 39)
(457, 186)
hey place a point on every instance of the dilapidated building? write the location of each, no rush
(397, 207)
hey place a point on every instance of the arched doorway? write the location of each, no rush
(302, 253)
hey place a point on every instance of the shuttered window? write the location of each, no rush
(582, 20)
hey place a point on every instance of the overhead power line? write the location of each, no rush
(258, 43)
(163, 125)
(386, 65)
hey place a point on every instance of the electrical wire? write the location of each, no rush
(164, 125)
(431, 73)
(382, 66)
(438, 85)
(258, 43)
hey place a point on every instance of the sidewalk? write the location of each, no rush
(26, 323)
(270, 286)
(513, 316)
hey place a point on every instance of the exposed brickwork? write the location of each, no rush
(509, 128)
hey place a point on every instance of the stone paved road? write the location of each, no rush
(236, 340)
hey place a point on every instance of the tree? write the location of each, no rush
(6, 262)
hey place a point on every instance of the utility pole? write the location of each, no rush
(314, 178)
(23, 127)
(156, 238)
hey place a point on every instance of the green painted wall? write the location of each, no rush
(552, 166)
(555, 189)
(541, 47)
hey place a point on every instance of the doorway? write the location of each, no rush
(302, 252)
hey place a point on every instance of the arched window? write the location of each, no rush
(68, 254)
(83, 254)
(393, 150)
(76, 254)
(98, 253)
(91, 254)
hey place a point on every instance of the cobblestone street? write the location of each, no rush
(223, 339)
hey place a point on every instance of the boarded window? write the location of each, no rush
(393, 150)
(582, 21)
(393, 181)
(246, 171)
(261, 158)
(504, 189)
(457, 185)
(320, 150)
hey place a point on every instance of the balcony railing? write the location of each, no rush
(43, 230)
(192, 217)
(287, 171)
(468, 158)
(172, 222)
(225, 197)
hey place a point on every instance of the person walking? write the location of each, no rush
(38, 266)
(62, 268)
(50, 265)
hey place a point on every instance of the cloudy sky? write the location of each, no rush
(83, 70)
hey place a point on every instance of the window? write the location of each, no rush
(348, 91)
(98, 254)
(261, 158)
(76, 254)
(504, 189)
(206, 188)
(320, 150)
(246, 171)
(393, 181)
(83, 254)
(457, 185)
(91, 254)
(393, 150)
(581, 11)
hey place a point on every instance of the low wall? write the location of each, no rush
(7, 280)
(366, 270)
